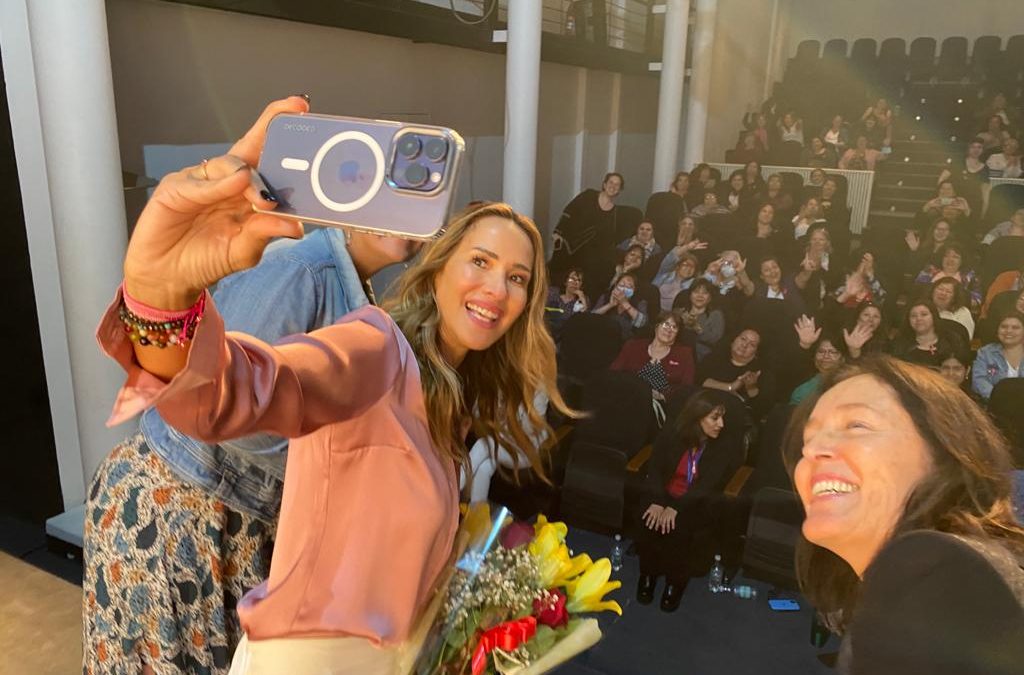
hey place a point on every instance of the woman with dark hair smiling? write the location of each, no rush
(999, 360)
(688, 469)
(952, 265)
(949, 297)
(700, 317)
(664, 363)
(910, 548)
(585, 234)
(563, 302)
(923, 337)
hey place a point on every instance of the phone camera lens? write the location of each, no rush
(416, 175)
(436, 149)
(409, 146)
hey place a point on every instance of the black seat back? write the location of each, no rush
(590, 342)
(1005, 405)
(773, 531)
(664, 210)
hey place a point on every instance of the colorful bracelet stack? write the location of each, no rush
(147, 325)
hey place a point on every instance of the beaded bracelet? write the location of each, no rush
(150, 326)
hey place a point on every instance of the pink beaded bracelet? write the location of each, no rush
(147, 325)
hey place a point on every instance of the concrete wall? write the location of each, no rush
(187, 75)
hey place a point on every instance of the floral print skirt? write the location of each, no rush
(165, 567)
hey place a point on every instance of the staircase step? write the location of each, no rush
(918, 168)
(921, 193)
(888, 204)
(895, 178)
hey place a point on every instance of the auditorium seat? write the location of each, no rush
(1008, 67)
(892, 65)
(921, 65)
(952, 66)
(987, 50)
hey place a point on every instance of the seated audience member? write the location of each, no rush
(819, 273)
(837, 135)
(1014, 227)
(708, 207)
(819, 155)
(701, 320)
(729, 275)
(565, 301)
(736, 368)
(681, 184)
(619, 304)
(923, 338)
(752, 177)
(733, 195)
(875, 135)
(998, 107)
(688, 469)
(909, 523)
(670, 282)
(1002, 303)
(774, 304)
(946, 203)
(810, 213)
(815, 181)
(952, 265)
(969, 173)
(861, 284)
(880, 112)
(832, 204)
(688, 240)
(632, 261)
(758, 125)
(866, 334)
(776, 195)
(791, 129)
(762, 241)
(999, 360)
(702, 180)
(644, 238)
(992, 136)
(664, 362)
(826, 354)
(861, 157)
(955, 368)
(747, 149)
(1006, 164)
(950, 298)
(921, 253)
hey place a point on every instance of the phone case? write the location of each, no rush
(347, 172)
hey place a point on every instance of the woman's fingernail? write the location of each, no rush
(303, 96)
(269, 197)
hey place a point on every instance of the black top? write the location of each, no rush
(584, 224)
(932, 603)
(719, 366)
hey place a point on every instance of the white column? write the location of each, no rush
(522, 86)
(700, 83)
(60, 91)
(670, 93)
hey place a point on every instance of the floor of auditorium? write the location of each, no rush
(40, 624)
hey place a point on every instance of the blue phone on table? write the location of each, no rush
(784, 605)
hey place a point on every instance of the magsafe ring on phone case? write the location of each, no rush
(352, 167)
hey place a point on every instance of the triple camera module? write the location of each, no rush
(419, 162)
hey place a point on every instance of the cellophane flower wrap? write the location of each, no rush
(515, 600)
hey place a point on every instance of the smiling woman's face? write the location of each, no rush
(862, 458)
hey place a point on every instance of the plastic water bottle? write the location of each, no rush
(616, 556)
(745, 592)
(716, 576)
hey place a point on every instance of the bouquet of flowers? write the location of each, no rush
(513, 602)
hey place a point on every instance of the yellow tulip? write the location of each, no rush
(560, 528)
(586, 593)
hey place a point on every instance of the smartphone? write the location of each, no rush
(371, 175)
(784, 605)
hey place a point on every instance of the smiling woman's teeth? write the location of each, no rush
(481, 312)
(833, 487)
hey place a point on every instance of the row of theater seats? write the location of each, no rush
(988, 61)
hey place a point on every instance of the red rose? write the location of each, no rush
(551, 612)
(517, 534)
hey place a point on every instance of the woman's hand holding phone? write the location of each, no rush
(200, 225)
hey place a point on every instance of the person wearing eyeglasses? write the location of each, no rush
(663, 363)
(826, 355)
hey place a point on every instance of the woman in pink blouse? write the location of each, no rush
(377, 404)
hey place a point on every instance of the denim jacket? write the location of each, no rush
(299, 286)
(990, 367)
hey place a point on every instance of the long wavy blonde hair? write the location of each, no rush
(493, 384)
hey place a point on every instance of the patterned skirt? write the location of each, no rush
(165, 566)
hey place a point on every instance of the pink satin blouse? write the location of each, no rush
(369, 511)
